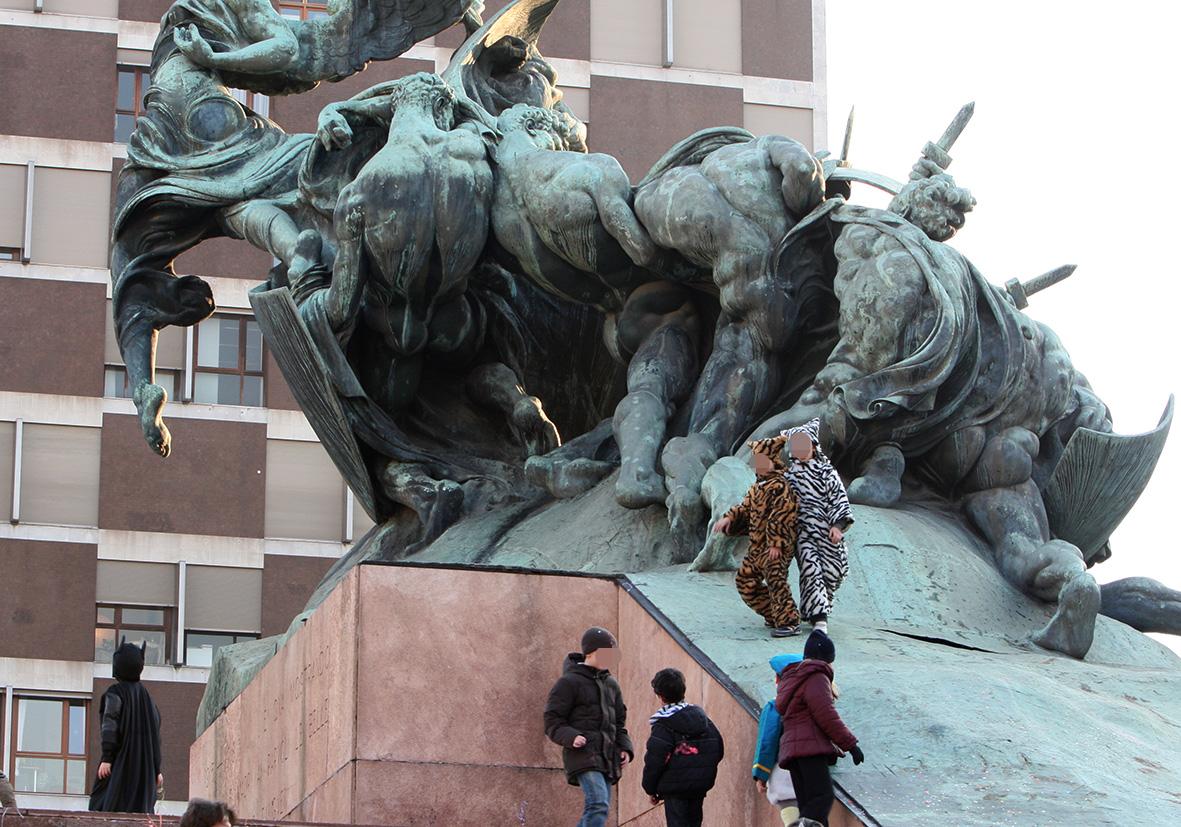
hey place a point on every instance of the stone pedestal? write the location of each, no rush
(414, 696)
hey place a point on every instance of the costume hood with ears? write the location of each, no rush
(128, 661)
(812, 429)
(772, 448)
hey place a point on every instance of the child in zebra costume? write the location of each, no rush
(768, 514)
(824, 517)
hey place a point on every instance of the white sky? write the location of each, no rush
(1073, 156)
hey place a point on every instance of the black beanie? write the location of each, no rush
(597, 637)
(820, 647)
(128, 661)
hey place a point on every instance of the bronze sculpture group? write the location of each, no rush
(470, 305)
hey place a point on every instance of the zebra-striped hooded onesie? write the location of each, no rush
(823, 503)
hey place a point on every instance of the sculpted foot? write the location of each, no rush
(880, 483)
(1072, 628)
(533, 427)
(149, 401)
(638, 487)
(566, 479)
(686, 517)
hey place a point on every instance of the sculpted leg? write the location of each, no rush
(576, 467)
(438, 503)
(1012, 517)
(659, 377)
(496, 385)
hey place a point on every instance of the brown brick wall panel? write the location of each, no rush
(227, 258)
(278, 392)
(147, 11)
(178, 704)
(638, 120)
(53, 336)
(214, 482)
(777, 38)
(42, 613)
(566, 33)
(287, 583)
(298, 113)
(56, 83)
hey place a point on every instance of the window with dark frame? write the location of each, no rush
(139, 624)
(10, 253)
(49, 745)
(201, 647)
(228, 361)
(303, 9)
(133, 82)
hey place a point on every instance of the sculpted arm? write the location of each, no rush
(273, 45)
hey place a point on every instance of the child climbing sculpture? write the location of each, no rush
(768, 514)
(824, 517)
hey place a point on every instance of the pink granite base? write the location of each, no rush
(413, 696)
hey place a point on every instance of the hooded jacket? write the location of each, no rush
(811, 725)
(683, 753)
(768, 512)
(130, 735)
(816, 483)
(587, 701)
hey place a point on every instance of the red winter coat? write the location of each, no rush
(811, 725)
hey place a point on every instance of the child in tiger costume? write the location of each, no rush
(768, 514)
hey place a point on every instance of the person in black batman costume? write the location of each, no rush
(129, 773)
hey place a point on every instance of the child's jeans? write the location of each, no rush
(596, 793)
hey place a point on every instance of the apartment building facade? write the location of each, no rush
(225, 540)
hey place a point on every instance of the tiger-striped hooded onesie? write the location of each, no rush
(823, 503)
(768, 514)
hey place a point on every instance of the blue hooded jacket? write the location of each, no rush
(770, 726)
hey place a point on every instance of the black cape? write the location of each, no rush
(131, 744)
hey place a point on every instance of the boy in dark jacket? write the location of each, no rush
(684, 750)
(814, 735)
(129, 772)
(586, 716)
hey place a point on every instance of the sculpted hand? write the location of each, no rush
(333, 131)
(192, 45)
(104, 769)
(721, 525)
(762, 785)
(773, 553)
(836, 535)
(579, 742)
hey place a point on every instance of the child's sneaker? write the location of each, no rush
(785, 631)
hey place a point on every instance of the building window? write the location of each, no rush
(50, 745)
(139, 624)
(258, 103)
(303, 9)
(129, 102)
(201, 647)
(227, 357)
(10, 253)
(117, 386)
